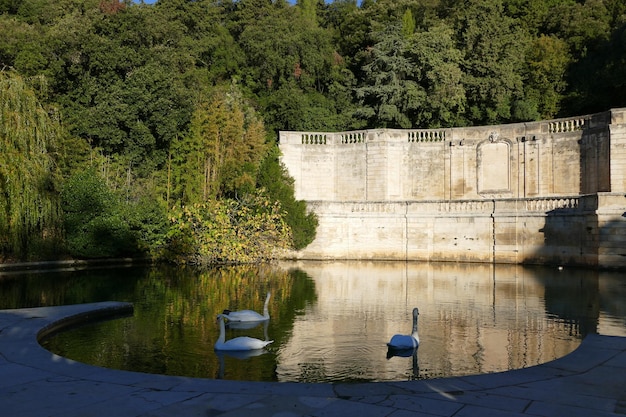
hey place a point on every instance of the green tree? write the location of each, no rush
(215, 54)
(308, 10)
(531, 14)
(350, 28)
(547, 60)
(118, 77)
(21, 46)
(438, 72)
(586, 28)
(220, 155)
(246, 13)
(493, 46)
(292, 67)
(29, 204)
(583, 25)
(408, 24)
(388, 93)
(272, 49)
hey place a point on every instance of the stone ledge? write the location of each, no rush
(101, 311)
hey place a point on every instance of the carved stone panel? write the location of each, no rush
(494, 166)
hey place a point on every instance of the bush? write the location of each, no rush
(226, 231)
(96, 222)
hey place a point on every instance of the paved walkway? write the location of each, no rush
(591, 381)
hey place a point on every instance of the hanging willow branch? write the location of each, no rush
(29, 204)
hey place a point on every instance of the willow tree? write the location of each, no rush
(29, 204)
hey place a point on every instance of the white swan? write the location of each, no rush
(238, 343)
(401, 341)
(248, 315)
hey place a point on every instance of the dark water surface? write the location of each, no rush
(330, 321)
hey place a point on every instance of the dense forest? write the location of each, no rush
(129, 129)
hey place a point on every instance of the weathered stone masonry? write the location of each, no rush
(540, 192)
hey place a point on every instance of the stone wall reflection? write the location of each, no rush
(474, 318)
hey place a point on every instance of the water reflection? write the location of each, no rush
(240, 355)
(247, 325)
(414, 373)
(330, 321)
(474, 318)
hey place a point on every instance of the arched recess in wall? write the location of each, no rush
(494, 165)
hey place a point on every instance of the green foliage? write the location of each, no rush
(23, 49)
(222, 151)
(290, 108)
(140, 90)
(583, 25)
(274, 178)
(75, 154)
(439, 75)
(29, 205)
(148, 222)
(226, 231)
(308, 10)
(118, 79)
(547, 60)
(127, 75)
(292, 67)
(96, 221)
(595, 75)
(388, 93)
(408, 24)
(492, 44)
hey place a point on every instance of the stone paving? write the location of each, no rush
(591, 381)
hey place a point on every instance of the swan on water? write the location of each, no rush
(248, 315)
(402, 341)
(238, 343)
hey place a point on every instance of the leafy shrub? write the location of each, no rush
(96, 222)
(226, 231)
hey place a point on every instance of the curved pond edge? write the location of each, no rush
(105, 312)
(34, 381)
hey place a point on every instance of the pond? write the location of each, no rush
(330, 321)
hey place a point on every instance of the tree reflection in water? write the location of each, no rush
(330, 321)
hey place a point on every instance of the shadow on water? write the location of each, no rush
(571, 236)
(24, 289)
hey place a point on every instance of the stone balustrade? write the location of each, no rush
(566, 125)
(352, 137)
(549, 204)
(432, 135)
(314, 139)
(474, 207)
(467, 206)
(426, 135)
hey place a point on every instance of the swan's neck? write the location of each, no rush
(414, 331)
(222, 337)
(266, 312)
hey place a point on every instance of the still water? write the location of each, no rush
(330, 321)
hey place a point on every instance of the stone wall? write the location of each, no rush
(542, 192)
